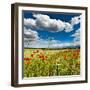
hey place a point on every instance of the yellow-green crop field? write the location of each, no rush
(51, 62)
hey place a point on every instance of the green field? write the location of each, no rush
(51, 62)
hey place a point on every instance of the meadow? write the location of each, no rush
(51, 62)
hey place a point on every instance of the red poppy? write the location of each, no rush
(37, 51)
(65, 57)
(78, 63)
(32, 55)
(78, 50)
(41, 56)
(27, 59)
(75, 57)
(30, 58)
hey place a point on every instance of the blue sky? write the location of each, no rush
(62, 28)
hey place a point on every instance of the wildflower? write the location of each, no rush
(65, 57)
(78, 50)
(37, 51)
(43, 58)
(78, 63)
(32, 55)
(27, 59)
(40, 56)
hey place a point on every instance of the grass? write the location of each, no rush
(51, 62)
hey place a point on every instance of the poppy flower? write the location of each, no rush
(27, 59)
(37, 51)
(78, 63)
(65, 57)
(32, 55)
(41, 56)
(78, 50)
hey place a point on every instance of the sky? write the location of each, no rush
(51, 30)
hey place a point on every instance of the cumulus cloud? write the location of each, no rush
(30, 34)
(44, 22)
(76, 20)
(29, 22)
(76, 35)
(68, 27)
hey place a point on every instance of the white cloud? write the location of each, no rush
(30, 23)
(68, 27)
(76, 43)
(67, 44)
(76, 20)
(44, 22)
(30, 34)
(76, 40)
(76, 35)
(41, 43)
(31, 39)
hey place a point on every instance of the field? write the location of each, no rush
(51, 62)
